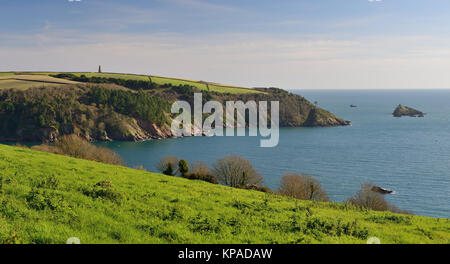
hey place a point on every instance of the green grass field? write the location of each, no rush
(6, 73)
(18, 84)
(47, 198)
(174, 81)
(158, 80)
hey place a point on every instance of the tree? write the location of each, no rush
(169, 170)
(200, 171)
(168, 165)
(302, 187)
(366, 198)
(236, 171)
(183, 167)
(201, 168)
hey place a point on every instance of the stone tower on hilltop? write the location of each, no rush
(99, 68)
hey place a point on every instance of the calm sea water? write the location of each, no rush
(408, 155)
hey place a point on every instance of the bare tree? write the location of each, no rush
(201, 168)
(302, 187)
(366, 198)
(236, 171)
(77, 147)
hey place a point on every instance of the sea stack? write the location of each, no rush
(407, 111)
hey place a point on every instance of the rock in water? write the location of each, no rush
(381, 190)
(407, 111)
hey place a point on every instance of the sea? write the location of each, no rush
(409, 155)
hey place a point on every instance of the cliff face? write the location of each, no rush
(103, 113)
(318, 117)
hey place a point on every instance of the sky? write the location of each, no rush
(290, 44)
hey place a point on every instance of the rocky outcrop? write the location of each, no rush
(407, 111)
(294, 110)
(321, 118)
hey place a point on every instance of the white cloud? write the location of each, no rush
(289, 62)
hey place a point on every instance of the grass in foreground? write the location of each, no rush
(47, 198)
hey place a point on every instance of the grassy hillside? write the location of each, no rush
(27, 81)
(158, 80)
(46, 198)
(6, 73)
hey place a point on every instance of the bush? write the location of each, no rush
(104, 190)
(200, 171)
(46, 148)
(236, 171)
(183, 167)
(40, 200)
(77, 147)
(368, 199)
(203, 177)
(50, 182)
(168, 165)
(303, 187)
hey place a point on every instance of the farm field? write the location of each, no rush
(6, 73)
(47, 198)
(158, 80)
(28, 81)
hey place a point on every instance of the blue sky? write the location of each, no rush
(320, 44)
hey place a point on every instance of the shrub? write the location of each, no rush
(50, 182)
(46, 148)
(200, 171)
(303, 187)
(104, 190)
(204, 224)
(183, 167)
(203, 177)
(104, 184)
(40, 200)
(168, 165)
(368, 199)
(235, 170)
(77, 147)
(317, 226)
